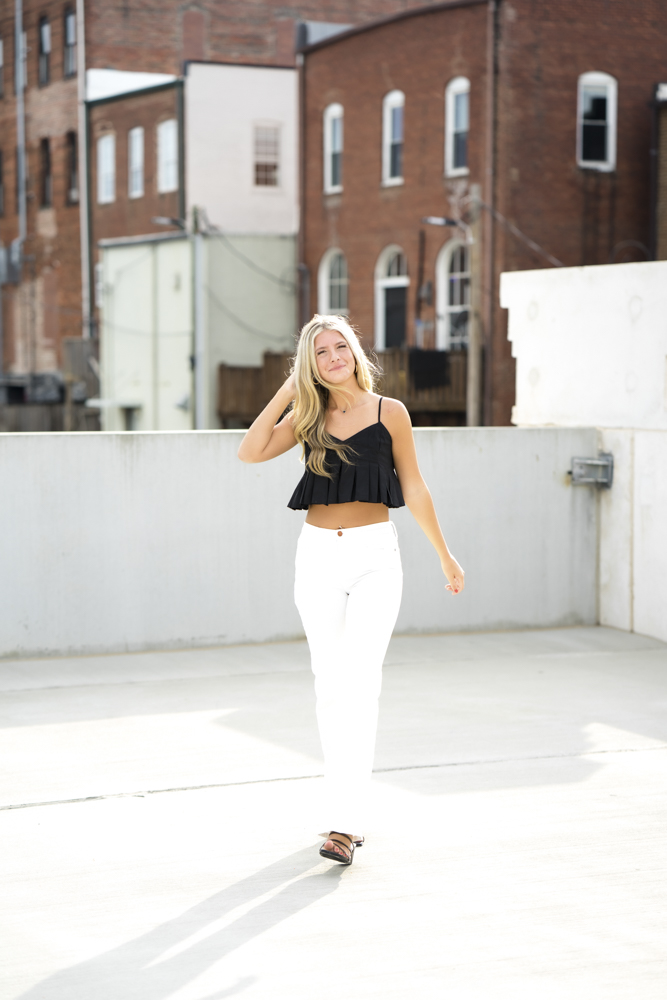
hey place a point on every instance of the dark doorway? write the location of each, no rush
(395, 300)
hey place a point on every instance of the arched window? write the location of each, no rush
(452, 296)
(332, 290)
(391, 295)
(392, 137)
(596, 121)
(333, 149)
(457, 117)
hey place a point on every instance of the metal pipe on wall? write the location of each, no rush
(84, 173)
(199, 333)
(19, 77)
(474, 368)
(489, 198)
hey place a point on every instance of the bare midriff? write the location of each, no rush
(346, 515)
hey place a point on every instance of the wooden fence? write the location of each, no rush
(244, 392)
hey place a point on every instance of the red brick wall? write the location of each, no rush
(419, 56)
(580, 216)
(131, 216)
(158, 37)
(129, 35)
(49, 305)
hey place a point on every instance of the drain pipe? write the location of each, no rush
(84, 173)
(20, 82)
(489, 198)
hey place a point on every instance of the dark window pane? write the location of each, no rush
(336, 164)
(594, 143)
(458, 329)
(395, 300)
(595, 107)
(46, 178)
(266, 174)
(397, 124)
(460, 149)
(396, 159)
(72, 196)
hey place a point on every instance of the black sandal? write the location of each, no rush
(348, 845)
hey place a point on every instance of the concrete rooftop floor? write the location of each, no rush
(156, 840)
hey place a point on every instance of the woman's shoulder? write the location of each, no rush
(394, 413)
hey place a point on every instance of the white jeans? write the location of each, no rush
(348, 592)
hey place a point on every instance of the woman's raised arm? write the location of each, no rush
(267, 439)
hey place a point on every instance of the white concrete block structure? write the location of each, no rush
(590, 345)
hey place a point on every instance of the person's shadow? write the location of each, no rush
(134, 970)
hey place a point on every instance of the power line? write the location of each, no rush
(522, 236)
(240, 322)
(282, 282)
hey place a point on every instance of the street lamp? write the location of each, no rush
(442, 220)
(167, 220)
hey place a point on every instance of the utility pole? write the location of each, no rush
(474, 375)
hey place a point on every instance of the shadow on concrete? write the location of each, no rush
(137, 970)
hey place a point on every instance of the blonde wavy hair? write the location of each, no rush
(311, 398)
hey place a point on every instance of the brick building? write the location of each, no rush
(61, 40)
(545, 109)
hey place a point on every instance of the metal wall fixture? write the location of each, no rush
(593, 471)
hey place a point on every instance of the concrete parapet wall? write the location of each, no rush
(135, 541)
(633, 533)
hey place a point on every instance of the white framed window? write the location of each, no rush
(44, 66)
(333, 149)
(452, 296)
(69, 38)
(391, 298)
(135, 162)
(167, 156)
(597, 98)
(457, 122)
(266, 156)
(106, 169)
(332, 284)
(393, 106)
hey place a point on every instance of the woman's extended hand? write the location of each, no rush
(454, 574)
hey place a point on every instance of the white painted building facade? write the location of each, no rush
(239, 289)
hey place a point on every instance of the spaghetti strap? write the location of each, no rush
(379, 408)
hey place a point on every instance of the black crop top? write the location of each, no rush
(369, 477)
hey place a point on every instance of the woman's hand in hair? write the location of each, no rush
(289, 385)
(454, 574)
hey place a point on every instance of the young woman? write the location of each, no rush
(360, 460)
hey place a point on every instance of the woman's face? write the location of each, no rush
(335, 360)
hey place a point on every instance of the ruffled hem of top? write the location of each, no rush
(366, 482)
